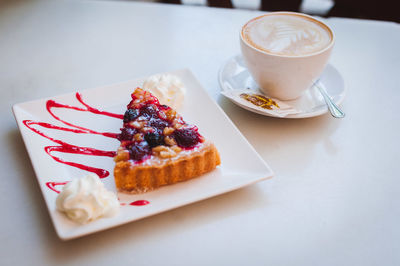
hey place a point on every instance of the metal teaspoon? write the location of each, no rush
(333, 108)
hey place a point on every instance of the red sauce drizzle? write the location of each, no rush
(69, 148)
(64, 147)
(139, 203)
(52, 185)
(52, 104)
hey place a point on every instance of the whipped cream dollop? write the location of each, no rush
(86, 199)
(167, 88)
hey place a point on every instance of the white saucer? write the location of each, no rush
(234, 77)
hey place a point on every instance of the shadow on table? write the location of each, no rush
(162, 226)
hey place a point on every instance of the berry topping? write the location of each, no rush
(127, 133)
(130, 115)
(153, 129)
(154, 139)
(149, 110)
(140, 150)
(158, 124)
(186, 137)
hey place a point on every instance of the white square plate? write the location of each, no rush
(240, 164)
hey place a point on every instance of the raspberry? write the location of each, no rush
(186, 138)
(130, 114)
(154, 139)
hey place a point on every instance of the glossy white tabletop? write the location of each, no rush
(335, 197)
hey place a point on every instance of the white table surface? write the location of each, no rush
(335, 196)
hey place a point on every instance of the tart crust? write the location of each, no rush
(134, 177)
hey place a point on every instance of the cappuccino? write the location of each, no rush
(287, 34)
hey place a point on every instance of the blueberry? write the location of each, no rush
(154, 139)
(186, 137)
(127, 133)
(140, 150)
(130, 115)
(149, 110)
(158, 124)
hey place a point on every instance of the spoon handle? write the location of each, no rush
(333, 108)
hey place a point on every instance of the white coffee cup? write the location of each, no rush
(285, 52)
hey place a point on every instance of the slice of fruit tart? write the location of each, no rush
(158, 147)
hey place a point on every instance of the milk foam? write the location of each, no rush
(289, 35)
